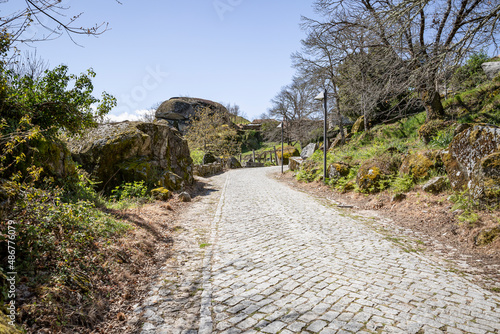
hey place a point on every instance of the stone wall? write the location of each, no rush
(208, 169)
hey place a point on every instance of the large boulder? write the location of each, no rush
(491, 69)
(338, 170)
(373, 172)
(288, 152)
(135, 151)
(485, 181)
(178, 110)
(308, 151)
(233, 163)
(420, 164)
(471, 159)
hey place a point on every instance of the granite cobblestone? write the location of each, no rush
(281, 261)
(304, 267)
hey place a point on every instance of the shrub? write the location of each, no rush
(130, 190)
(470, 74)
(402, 184)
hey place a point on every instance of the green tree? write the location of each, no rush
(210, 132)
(57, 101)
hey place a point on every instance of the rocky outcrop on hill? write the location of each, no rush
(135, 151)
(178, 110)
(491, 69)
(473, 161)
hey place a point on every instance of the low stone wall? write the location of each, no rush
(250, 164)
(209, 169)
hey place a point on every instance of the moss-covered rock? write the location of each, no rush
(359, 125)
(233, 163)
(288, 151)
(487, 236)
(373, 171)
(338, 170)
(135, 151)
(485, 180)
(208, 158)
(430, 129)
(435, 185)
(5, 328)
(51, 155)
(420, 164)
(466, 152)
(161, 194)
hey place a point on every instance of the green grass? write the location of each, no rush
(480, 104)
(400, 137)
(197, 156)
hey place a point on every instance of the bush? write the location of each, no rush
(56, 101)
(470, 74)
(402, 184)
(55, 239)
(130, 190)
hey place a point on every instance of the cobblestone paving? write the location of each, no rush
(282, 262)
(172, 305)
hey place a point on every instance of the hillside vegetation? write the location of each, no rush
(398, 148)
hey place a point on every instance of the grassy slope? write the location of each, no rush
(481, 105)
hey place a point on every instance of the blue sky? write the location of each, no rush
(232, 51)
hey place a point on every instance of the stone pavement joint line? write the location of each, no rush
(283, 263)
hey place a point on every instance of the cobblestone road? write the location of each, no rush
(281, 262)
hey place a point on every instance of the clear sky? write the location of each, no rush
(232, 51)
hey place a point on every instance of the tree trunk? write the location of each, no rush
(433, 106)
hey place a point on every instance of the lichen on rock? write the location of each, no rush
(420, 164)
(338, 170)
(468, 162)
(373, 171)
(484, 184)
(134, 151)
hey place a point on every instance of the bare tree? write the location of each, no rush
(234, 112)
(423, 34)
(295, 103)
(53, 18)
(29, 65)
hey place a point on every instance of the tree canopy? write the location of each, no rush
(426, 38)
